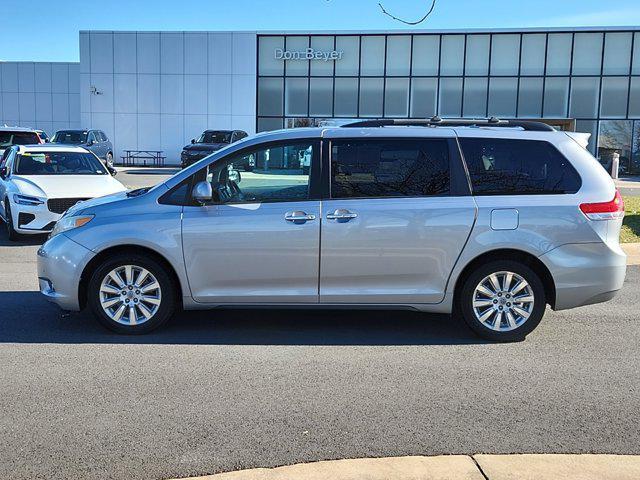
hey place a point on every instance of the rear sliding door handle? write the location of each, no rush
(342, 215)
(299, 217)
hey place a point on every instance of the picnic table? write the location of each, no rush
(154, 157)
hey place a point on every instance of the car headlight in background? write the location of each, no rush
(69, 223)
(27, 200)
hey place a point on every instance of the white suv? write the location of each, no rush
(38, 183)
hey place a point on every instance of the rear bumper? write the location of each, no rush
(585, 273)
(60, 264)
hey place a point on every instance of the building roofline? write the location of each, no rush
(39, 62)
(393, 31)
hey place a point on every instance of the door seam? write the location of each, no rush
(319, 248)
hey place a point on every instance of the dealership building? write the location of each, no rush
(158, 90)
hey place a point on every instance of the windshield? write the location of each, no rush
(70, 137)
(18, 138)
(215, 137)
(58, 163)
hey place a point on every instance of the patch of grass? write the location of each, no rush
(631, 226)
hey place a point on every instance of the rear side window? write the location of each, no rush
(517, 167)
(389, 168)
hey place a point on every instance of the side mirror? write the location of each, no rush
(202, 192)
(193, 140)
(3, 172)
(112, 171)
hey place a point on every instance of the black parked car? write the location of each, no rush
(211, 141)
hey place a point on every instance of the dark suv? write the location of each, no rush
(93, 140)
(211, 141)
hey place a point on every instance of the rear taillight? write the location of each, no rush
(604, 210)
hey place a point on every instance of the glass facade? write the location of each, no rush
(587, 80)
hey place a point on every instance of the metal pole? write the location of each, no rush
(615, 164)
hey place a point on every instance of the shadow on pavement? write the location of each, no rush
(28, 318)
(151, 171)
(25, 240)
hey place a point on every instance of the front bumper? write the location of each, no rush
(35, 219)
(186, 159)
(585, 273)
(60, 265)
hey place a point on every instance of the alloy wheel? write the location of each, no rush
(503, 301)
(130, 295)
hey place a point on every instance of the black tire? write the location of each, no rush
(109, 159)
(11, 232)
(167, 287)
(467, 292)
(248, 168)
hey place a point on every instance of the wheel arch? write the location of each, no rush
(521, 256)
(95, 262)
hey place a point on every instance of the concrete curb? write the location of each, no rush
(453, 467)
(633, 253)
(559, 467)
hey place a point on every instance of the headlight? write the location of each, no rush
(69, 223)
(27, 200)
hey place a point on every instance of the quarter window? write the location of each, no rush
(389, 168)
(279, 173)
(517, 167)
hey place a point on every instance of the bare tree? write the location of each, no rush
(433, 5)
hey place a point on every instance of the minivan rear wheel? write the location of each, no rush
(131, 294)
(502, 300)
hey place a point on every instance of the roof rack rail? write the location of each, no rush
(436, 121)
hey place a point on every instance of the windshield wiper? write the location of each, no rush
(138, 191)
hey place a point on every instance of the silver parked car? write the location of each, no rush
(93, 140)
(492, 220)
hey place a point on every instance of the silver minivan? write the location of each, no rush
(490, 220)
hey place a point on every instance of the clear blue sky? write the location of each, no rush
(38, 30)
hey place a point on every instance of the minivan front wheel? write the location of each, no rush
(131, 294)
(502, 300)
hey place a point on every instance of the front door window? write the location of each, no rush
(275, 174)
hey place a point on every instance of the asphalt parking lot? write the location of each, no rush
(224, 390)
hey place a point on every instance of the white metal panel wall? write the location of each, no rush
(158, 90)
(40, 95)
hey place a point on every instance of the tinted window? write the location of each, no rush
(177, 196)
(6, 156)
(215, 137)
(58, 163)
(389, 168)
(70, 137)
(18, 138)
(279, 173)
(517, 167)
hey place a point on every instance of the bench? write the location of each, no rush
(154, 157)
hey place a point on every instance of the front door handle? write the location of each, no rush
(299, 217)
(342, 215)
